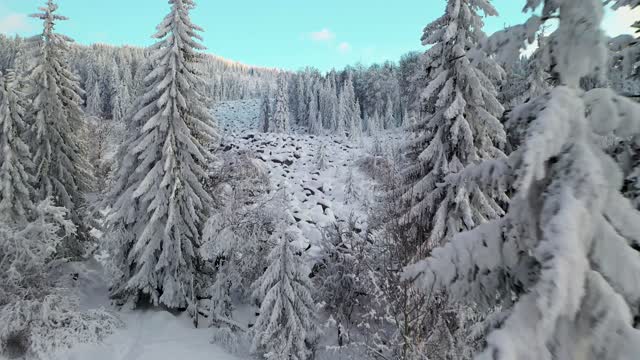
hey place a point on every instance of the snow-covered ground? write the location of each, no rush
(317, 195)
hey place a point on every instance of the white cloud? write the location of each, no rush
(619, 22)
(14, 23)
(322, 35)
(344, 47)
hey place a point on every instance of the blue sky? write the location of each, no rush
(288, 34)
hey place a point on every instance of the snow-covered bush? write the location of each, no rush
(36, 318)
(561, 267)
(38, 328)
(26, 252)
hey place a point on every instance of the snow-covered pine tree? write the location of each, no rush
(94, 102)
(347, 114)
(15, 159)
(287, 322)
(351, 192)
(58, 129)
(389, 117)
(562, 265)
(464, 127)
(280, 116)
(301, 100)
(321, 157)
(120, 99)
(265, 113)
(374, 124)
(315, 118)
(355, 124)
(158, 201)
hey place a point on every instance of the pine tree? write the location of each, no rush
(561, 267)
(15, 159)
(389, 118)
(374, 125)
(348, 115)
(355, 125)
(57, 123)
(315, 125)
(287, 321)
(265, 113)
(350, 189)
(464, 127)
(158, 201)
(301, 109)
(321, 157)
(121, 100)
(94, 103)
(280, 117)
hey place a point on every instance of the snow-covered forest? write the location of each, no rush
(471, 201)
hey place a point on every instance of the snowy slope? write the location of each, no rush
(147, 334)
(317, 196)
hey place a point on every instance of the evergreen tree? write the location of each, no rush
(57, 123)
(300, 100)
(355, 125)
(389, 118)
(158, 201)
(374, 125)
(464, 127)
(321, 157)
(120, 101)
(265, 113)
(287, 321)
(561, 267)
(280, 117)
(15, 159)
(315, 125)
(94, 103)
(348, 115)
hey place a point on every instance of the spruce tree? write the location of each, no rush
(58, 128)
(158, 201)
(94, 102)
(389, 117)
(287, 318)
(315, 126)
(265, 113)
(280, 117)
(463, 128)
(561, 267)
(15, 159)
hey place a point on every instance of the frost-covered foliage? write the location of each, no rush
(37, 329)
(58, 130)
(624, 66)
(37, 319)
(26, 251)
(462, 129)
(286, 327)
(158, 200)
(280, 118)
(15, 158)
(562, 266)
(235, 242)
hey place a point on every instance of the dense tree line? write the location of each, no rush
(506, 226)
